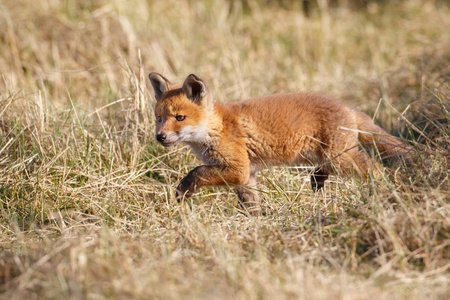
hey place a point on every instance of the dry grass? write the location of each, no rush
(87, 200)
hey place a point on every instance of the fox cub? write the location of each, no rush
(236, 140)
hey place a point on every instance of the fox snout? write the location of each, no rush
(161, 137)
(167, 138)
(164, 139)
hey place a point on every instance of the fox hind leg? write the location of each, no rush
(318, 179)
(355, 162)
(345, 164)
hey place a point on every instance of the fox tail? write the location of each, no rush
(388, 146)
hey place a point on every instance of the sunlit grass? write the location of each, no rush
(87, 197)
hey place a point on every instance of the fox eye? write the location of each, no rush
(180, 118)
(159, 119)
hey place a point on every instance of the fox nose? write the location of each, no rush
(161, 137)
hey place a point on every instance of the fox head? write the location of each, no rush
(181, 112)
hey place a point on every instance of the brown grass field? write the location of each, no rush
(87, 197)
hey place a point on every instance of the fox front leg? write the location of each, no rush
(209, 176)
(248, 197)
(187, 186)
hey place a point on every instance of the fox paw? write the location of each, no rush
(182, 193)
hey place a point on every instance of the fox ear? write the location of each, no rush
(194, 88)
(159, 83)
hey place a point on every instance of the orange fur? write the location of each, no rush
(236, 140)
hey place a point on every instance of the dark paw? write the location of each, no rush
(317, 185)
(187, 185)
(182, 192)
(318, 180)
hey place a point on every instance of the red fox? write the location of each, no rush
(236, 140)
